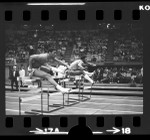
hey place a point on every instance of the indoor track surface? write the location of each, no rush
(105, 99)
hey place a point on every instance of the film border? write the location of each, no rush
(73, 120)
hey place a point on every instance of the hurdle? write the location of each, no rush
(62, 82)
(54, 107)
(21, 100)
(41, 111)
(81, 98)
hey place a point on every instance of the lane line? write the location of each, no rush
(93, 98)
(13, 110)
(31, 104)
(117, 111)
(116, 99)
(78, 113)
(111, 110)
(114, 104)
(87, 102)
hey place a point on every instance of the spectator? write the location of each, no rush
(133, 76)
(101, 73)
(31, 50)
(142, 71)
(119, 76)
(22, 75)
(114, 73)
(96, 75)
(141, 75)
(14, 77)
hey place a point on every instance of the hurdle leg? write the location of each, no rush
(84, 98)
(68, 98)
(79, 89)
(19, 106)
(41, 99)
(91, 90)
(19, 101)
(63, 99)
(42, 103)
(82, 87)
(48, 101)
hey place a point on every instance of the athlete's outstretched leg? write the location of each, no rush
(88, 78)
(88, 73)
(47, 76)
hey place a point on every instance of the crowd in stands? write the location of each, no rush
(118, 75)
(18, 44)
(128, 49)
(93, 43)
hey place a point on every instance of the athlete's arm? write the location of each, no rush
(61, 62)
(80, 65)
(53, 68)
(91, 64)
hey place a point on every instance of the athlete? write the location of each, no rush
(78, 67)
(39, 66)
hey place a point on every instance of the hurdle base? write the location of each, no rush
(81, 98)
(32, 113)
(70, 103)
(84, 98)
(57, 107)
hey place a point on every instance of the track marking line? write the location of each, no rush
(117, 111)
(113, 110)
(31, 104)
(80, 104)
(116, 99)
(93, 98)
(114, 104)
(13, 110)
